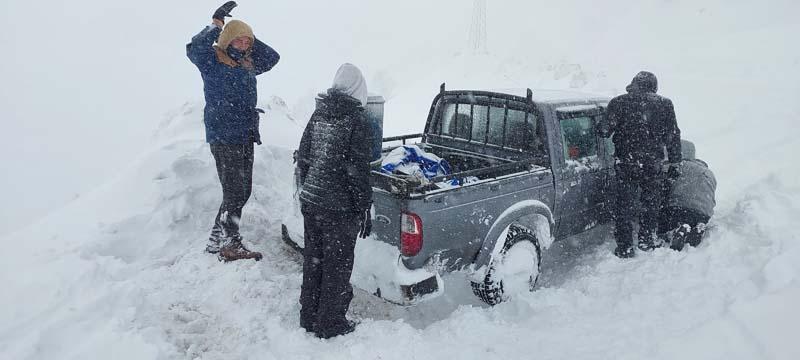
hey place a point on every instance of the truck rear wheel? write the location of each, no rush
(514, 270)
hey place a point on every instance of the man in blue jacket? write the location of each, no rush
(229, 69)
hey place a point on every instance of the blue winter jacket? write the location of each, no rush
(230, 114)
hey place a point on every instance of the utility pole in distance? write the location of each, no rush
(477, 33)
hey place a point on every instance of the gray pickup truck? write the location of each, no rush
(538, 172)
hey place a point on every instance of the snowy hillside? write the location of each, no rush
(119, 272)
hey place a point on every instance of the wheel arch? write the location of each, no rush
(532, 214)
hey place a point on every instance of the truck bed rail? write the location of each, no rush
(402, 138)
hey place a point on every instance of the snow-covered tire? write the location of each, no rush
(513, 270)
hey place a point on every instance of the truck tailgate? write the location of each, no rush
(387, 210)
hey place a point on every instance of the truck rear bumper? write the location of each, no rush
(379, 270)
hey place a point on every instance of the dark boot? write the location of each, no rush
(214, 240)
(696, 236)
(233, 250)
(680, 237)
(649, 242)
(624, 252)
(344, 329)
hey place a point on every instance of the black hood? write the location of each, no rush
(338, 102)
(644, 81)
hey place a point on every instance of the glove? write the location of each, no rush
(366, 224)
(674, 171)
(224, 11)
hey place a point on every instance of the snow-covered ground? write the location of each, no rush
(120, 273)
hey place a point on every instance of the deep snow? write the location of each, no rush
(120, 272)
(130, 280)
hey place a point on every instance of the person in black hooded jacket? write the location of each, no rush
(643, 125)
(333, 161)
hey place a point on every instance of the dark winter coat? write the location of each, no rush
(334, 155)
(643, 124)
(230, 91)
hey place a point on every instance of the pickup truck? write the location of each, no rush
(538, 172)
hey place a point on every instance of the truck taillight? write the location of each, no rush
(410, 234)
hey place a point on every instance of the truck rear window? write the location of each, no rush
(499, 126)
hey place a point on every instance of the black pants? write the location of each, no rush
(330, 240)
(235, 171)
(640, 193)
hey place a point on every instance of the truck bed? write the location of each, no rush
(463, 164)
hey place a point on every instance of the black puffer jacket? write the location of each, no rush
(334, 155)
(643, 123)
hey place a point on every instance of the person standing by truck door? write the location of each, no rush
(229, 69)
(333, 162)
(642, 124)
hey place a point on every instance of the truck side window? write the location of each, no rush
(609, 144)
(602, 126)
(579, 139)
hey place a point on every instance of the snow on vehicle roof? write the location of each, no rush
(550, 95)
(576, 108)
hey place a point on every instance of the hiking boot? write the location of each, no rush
(345, 329)
(649, 243)
(680, 237)
(233, 250)
(214, 241)
(624, 251)
(696, 235)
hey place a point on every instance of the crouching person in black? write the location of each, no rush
(690, 201)
(643, 124)
(336, 197)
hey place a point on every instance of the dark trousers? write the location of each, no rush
(330, 240)
(640, 193)
(235, 171)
